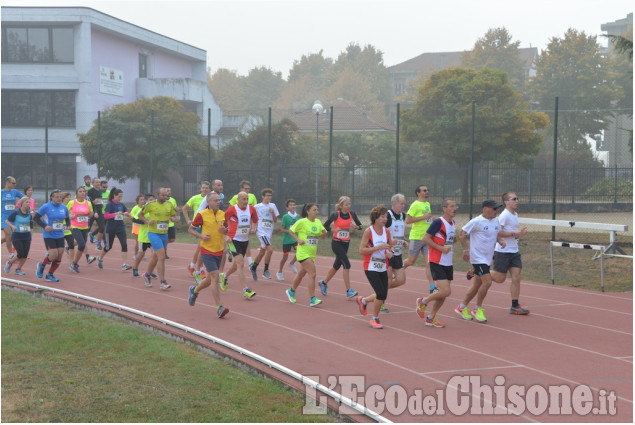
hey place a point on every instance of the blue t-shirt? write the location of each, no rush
(24, 223)
(9, 199)
(53, 215)
(113, 225)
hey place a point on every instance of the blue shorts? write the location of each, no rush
(211, 262)
(158, 240)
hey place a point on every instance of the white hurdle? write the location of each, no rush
(600, 248)
(603, 251)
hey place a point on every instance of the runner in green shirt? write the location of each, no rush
(420, 216)
(288, 243)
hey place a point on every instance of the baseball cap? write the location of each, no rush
(490, 203)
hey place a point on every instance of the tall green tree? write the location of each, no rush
(122, 143)
(441, 121)
(496, 50)
(229, 91)
(574, 69)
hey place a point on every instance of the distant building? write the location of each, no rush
(347, 117)
(62, 65)
(403, 72)
(615, 150)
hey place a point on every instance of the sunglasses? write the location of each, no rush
(425, 190)
(513, 199)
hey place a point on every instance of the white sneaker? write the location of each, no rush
(280, 276)
(292, 267)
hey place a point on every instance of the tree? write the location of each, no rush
(505, 129)
(263, 87)
(228, 90)
(497, 51)
(574, 69)
(121, 143)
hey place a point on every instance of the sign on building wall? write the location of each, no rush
(110, 81)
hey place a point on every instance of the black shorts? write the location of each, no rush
(440, 272)
(287, 247)
(143, 246)
(396, 262)
(503, 261)
(171, 233)
(480, 269)
(22, 247)
(51, 243)
(379, 282)
(70, 241)
(101, 223)
(241, 247)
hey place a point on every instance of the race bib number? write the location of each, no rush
(377, 264)
(58, 225)
(162, 225)
(267, 224)
(398, 247)
(119, 217)
(24, 228)
(312, 241)
(82, 219)
(98, 201)
(9, 207)
(343, 234)
(243, 230)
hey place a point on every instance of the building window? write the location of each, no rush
(143, 65)
(37, 44)
(62, 170)
(32, 108)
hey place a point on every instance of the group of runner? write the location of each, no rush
(224, 236)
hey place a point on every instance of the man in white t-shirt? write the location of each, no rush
(267, 216)
(507, 257)
(483, 231)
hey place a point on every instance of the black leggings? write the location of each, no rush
(110, 238)
(340, 249)
(22, 247)
(80, 235)
(379, 282)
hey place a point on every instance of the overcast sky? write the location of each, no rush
(241, 35)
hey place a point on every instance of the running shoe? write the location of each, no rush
(362, 307)
(165, 286)
(190, 270)
(154, 276)
(470, 274)
(192, 298)
(463, 313)
(51, 278)
(434, 322)
(350, 293)
(125, 267)
(222, 280)
(146, 278)
(134, 257)
(421, 308)
(479, 314)
(74, 267)
(67, 251)
(291, 295)
(252, 269)
(98, 247)
(230, 256)
(39, 270)
(293, 268)
(374, 323)
(19, 272)
(90, 259)
(280, 276)
(221, 311)
(384, 309)
(100, 263)
(198, 278)
(135, 273)
(92, 237)
(166, 256)
(203, 274)
(433, 288)
(13, 254)
(519, 311)
(266, 274)
(323, 287)
(248, 293)
(315, 301)
(7, 267)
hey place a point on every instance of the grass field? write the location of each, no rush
(60, 364)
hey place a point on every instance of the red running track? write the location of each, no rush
(573, 338)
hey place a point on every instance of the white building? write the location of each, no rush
(62, 65)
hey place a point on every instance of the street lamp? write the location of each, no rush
(317, 109)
